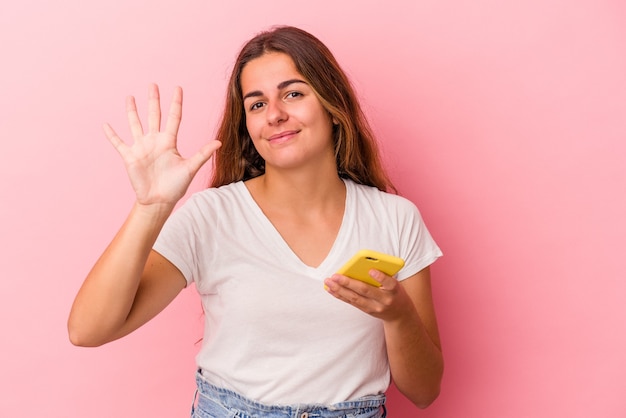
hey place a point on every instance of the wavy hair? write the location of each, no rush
(356, 151)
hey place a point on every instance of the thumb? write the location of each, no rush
(202, 156)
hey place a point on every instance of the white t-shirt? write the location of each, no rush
(272, 333)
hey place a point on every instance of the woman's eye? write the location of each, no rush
(293, 94)
(256, 106)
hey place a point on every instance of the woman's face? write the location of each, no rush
(286, 121)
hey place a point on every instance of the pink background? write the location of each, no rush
(504, 121)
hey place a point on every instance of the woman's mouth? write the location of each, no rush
(282, 137)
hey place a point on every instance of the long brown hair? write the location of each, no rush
(356, 150)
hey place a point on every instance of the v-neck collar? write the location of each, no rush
(277, 239)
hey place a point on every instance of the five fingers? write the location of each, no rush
(154, 121)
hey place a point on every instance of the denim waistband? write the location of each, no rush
(366, 407)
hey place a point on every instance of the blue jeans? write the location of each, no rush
(214, 402)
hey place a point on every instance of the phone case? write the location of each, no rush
(358, 267)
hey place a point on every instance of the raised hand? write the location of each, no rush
(157, 171)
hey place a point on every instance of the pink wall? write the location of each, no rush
(504, 121)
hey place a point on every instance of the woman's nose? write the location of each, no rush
(276, 113)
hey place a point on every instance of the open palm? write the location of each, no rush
(157, 171)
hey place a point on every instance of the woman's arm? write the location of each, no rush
(413, 343)
(130, 283)
(411, 333)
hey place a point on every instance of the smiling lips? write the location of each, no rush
(281, 137)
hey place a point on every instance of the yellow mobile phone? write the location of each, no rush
(358, 267)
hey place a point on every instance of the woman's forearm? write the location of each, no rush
(415, 360)
(106, 297)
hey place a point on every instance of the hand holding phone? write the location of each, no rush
(362, 262)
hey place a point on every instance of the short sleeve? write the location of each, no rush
(417, 246)
(180, 239)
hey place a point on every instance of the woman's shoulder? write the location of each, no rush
(372, 194)
(231, 190)
(215, 198)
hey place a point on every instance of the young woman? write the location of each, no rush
(297, 189)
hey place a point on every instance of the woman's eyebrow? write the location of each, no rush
(280, 86)
(289, 82)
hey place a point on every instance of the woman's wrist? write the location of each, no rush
(153, 215)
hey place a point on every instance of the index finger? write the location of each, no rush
(176, 112)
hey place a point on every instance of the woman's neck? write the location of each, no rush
(306, 211)
(297, 189)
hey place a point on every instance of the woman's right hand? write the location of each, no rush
(157, 172)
